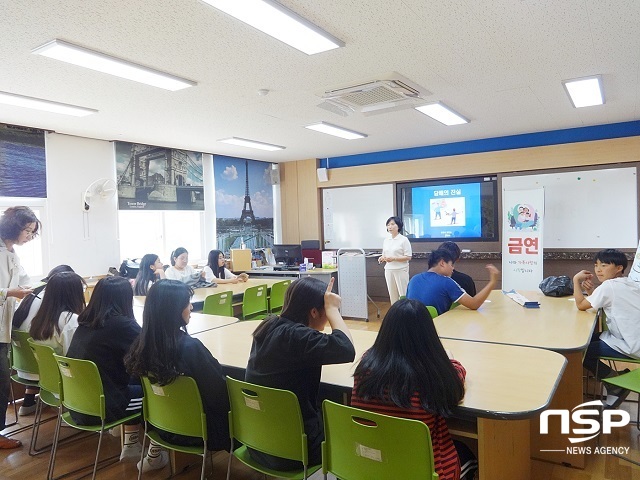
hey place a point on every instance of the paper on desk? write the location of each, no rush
(521, 299)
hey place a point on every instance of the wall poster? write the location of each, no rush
(244, 203)
(158, 178)
(23, 170)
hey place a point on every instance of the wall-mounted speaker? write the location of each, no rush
(274, 174)
(323, 175)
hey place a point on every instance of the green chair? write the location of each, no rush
(254, 303)
(22, 359)
(175, 408)
(81, 391)
(361, 445)
(268, 420)
(49, 384)
(276, 297)
(432, 311)
(628, 381)
(219, 304)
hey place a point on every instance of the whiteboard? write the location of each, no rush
(355, 217)
(586, 209)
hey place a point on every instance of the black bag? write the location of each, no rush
(129, 268)
(561, 286)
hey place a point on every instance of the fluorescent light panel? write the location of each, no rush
(83, 57)
(243, 142)
(281, 23)
(46, 105)
(585, 92)
(329, 129)
(443, 114)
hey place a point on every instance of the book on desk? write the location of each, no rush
(521, 299)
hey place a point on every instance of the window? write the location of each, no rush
(161, 232)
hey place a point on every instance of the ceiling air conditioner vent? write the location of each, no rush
(391, 93)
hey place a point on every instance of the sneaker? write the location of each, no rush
(156, 463)
(26, 410)
(618, 397)
(131, 452)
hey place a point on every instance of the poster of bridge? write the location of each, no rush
(244, 203)
(158, 178)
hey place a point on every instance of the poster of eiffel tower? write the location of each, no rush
(244, 203)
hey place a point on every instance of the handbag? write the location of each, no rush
(560, 286)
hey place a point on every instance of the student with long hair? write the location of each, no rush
(56, 321)
(407, 373)
(180, 268)
(215, 271)
(164, 350)
(106, 330)
(151, 270)
(22, 318)
(288, 352)
(18, 225)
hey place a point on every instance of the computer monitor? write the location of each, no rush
(288, 254)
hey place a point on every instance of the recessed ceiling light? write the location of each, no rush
(278, 21)
(83, 57)
(243, 142)
(585, 92)
(46, 105)
(443, 114)
(335, 131)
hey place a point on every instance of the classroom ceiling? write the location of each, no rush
(500, 63)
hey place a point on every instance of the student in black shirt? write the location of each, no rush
(289, 350)
(462, 279)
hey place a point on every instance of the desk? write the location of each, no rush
(237, 289)
(199, 322)
(502, 392)
(323, 274)
(557, 325)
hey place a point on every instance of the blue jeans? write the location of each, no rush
(5, 383)
(598, 348)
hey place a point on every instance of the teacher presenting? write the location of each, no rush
(396, 253)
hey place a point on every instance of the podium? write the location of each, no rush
(240, 259)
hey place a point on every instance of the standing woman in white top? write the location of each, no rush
(396, 253)
(18, 225)
(215, 271)
(180, 268)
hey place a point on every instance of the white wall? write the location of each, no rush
(87, 242)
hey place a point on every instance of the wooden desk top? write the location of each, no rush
(236, 288)
(199, 322)
(557, 325)
(501, 382)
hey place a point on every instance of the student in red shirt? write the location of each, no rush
(407, 373)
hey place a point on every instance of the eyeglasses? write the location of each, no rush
(30, 232)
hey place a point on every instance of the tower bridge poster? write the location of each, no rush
(244, 203)
(158, 178)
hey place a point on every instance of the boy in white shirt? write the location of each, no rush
(619, 297)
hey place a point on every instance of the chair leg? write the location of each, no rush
(36, 428)
(54, 449)
(229, 464)
(95, 464)
(204, 463)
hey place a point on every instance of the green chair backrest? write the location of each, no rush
(176, 407)
(276, 297)
(219, 304)
(432, 311)
(22, 356)
(254, 303)
(81, 386)
(267, 419)
(49, 372)
(361, 445)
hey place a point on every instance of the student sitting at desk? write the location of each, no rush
(165, 350)
(215, 271)
(151, 270)
(462, 279)
(408, 374)
(435, 287)
(180, 268)
(619, 297)
(288, 352)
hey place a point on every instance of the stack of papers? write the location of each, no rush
(521, 299)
